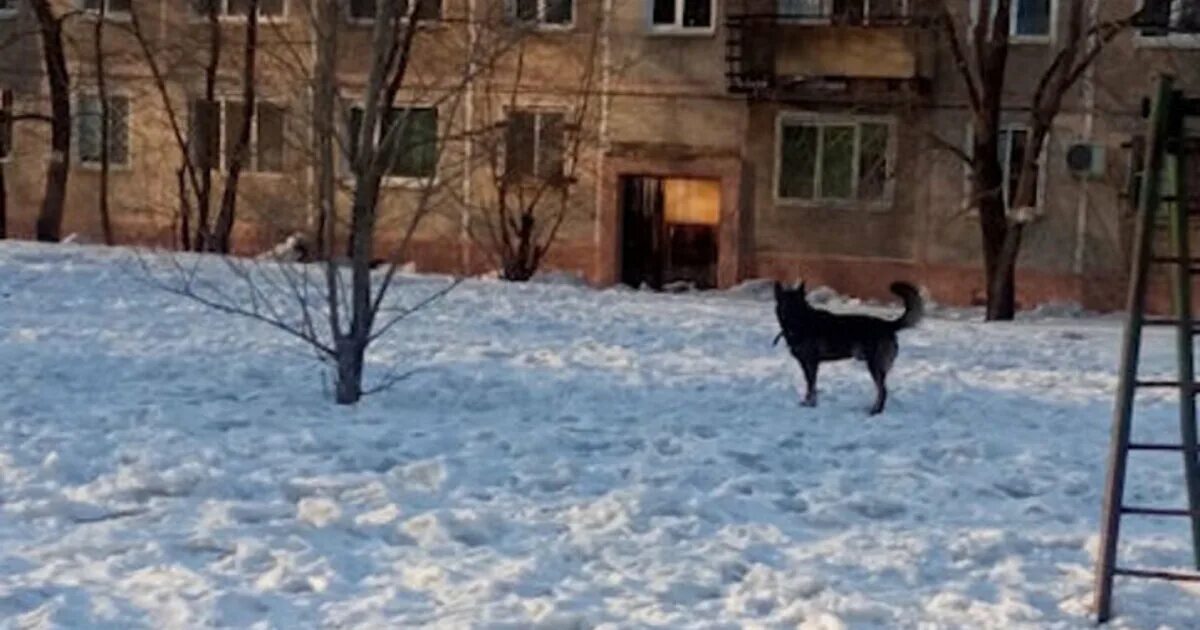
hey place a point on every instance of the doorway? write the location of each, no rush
(669, 231)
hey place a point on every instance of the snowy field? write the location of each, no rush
(567, 458)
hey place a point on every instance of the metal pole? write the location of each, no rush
(1131, 347)
(1184, 337)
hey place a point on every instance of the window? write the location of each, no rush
(681, 15)
(834, 160)
(90, 124)
(848, 11)
(1028, 19)
(365, 10)
(407, 140)
(214, 129)
(6, 124)
(110, 7)
(1164, 17)
(533, 145)
(543, 12)
(237, 9)
(8, 8)
(1013, 141)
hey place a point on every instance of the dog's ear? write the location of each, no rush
(800, 288)
(778, 290)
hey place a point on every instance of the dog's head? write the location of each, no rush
(789, 303)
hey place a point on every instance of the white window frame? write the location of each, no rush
(1014, 10)
(77, 156)
(1170, 39)
(677, 28)
(11, 11)
(540, 22)
(421, 23)
(402, 181)
(109, 14)
(251, 167)
(539, 113)
(819, 120)
(825, 12)
(224, 15)
(1006, 166)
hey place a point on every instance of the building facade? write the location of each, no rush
(707, 141)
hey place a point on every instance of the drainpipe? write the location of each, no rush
(464, 235)
(1088, 87)
(605, 103)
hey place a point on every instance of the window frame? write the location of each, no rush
(539, 22)
(76, 135)
(224, 16)
(369, 21)
(1169, 39)
(539, 113)
(1014, 10)
(1006, 167)
(10, 12)
(109, 14)
(676, 28)
(819, 120)
(252, 167)
(390, 180)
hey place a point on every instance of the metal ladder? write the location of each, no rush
(1166, 152)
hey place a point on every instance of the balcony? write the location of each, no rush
(851, 51)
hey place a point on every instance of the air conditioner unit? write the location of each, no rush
(1086, 160)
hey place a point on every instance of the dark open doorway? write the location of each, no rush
(669, 231)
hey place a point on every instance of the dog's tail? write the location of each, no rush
(914, 306)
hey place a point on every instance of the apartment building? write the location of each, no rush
(725, 139)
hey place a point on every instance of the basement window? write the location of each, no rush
(1029, 20)
(682, 16)
(117, 9)
(832, 160)
(8, 8)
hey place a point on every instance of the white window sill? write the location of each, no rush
(238, 19)
(8, 14)
(113, 167)
(397, 182)
(120, 18)
(1170, 40)
(850, 205)
(663, 30)
(1030, 40)
(422, 23)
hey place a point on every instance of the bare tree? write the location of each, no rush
(531, 161)
(225, 216)
(981, 50)
(100, 57)
(50, 217)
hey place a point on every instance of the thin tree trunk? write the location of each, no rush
(224, 230)
(324, 104)
(202, 240)
(105, 131)
(50, 217)
(3, 202)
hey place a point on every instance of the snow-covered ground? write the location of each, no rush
(567, 458)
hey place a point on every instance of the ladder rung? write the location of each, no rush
(1146, 511)
(1163, 384)
(1169, 321)
(1178, 576)
(1135, 446)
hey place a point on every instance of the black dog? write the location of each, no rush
(815, 336)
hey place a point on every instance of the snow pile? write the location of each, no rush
(565, 458)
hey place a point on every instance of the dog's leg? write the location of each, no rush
(878, 363)
(810, 380)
